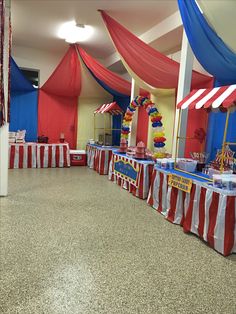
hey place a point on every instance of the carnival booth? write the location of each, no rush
(99, 152)
(103, 134)
(131, 167)
(204, 203)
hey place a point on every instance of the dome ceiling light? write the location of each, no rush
(73, 32)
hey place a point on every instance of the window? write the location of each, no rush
(32, 76)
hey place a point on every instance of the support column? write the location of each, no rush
(133, 131)
(184, 84)
(4, 129)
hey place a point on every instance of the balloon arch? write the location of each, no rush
(155, 117)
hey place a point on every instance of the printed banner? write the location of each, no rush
(180, 183)
(126, 170)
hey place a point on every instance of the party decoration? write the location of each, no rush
(155, 117)
(200, 135)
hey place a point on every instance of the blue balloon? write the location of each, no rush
(152, 110)
(131, 109)
(155, 124)
(159, 144)
(142, 100)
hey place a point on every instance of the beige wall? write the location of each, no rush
(37, 59)
(86, 108)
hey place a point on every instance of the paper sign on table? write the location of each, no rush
(181, 183)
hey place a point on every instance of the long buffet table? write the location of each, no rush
(99, 157)
(131, 174)
(39, 155)
(208, 212)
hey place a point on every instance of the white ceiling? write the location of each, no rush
(35, 23)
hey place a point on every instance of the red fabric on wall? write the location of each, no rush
(147, 63)
(57, 114)
(196, 119)
(66, 78)
(142, 125)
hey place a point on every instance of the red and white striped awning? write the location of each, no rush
(111, 108)
(212, 97)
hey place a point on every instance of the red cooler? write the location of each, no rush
(78, 158)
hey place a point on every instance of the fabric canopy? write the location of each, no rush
(23, 104)
(58, 100)
(152, 67)
(111, 108)
(66, 79)
(111, 81)
(213, 97)
(58, 115)
(213, 54)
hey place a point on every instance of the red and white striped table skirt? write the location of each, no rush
(98, 158)
(144, 176)
(39, 155)
(207, 212)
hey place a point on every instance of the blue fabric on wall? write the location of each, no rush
(24, 114)
(216, 125)
(23, 104)
(123, 102)
(210, 50)
(19, 82)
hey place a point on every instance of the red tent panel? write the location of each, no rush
(57, 115)
(66, 79)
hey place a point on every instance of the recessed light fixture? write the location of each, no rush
(73, 32)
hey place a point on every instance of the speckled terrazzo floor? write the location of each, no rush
(73, 242)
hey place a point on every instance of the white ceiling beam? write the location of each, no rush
(169, 24)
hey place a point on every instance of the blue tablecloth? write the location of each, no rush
(141, 161)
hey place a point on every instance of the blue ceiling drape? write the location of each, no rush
(210, 50)
(123, 102)
(19, 82)
(216, 58)
(23, 104)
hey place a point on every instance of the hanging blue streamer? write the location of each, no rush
(23, 104)
(123, 102)
(24, 114)
(210, 50)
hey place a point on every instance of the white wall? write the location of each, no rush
(41, 60)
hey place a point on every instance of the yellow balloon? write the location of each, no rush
(158, 134)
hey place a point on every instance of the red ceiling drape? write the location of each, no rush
(58, 114)
(58, 100)
(109, 78)
(66, 78)
(148, 64)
